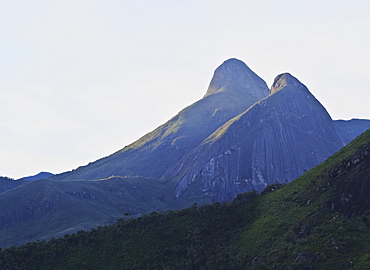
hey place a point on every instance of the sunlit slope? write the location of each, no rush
(234, 88)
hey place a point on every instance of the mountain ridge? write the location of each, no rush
(302, 225)
(184, 131)
(40, 175)
(221, 146)
(231, 158)
(350, 129)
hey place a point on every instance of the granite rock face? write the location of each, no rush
(275, 140)
(236, 77)
(232, 90)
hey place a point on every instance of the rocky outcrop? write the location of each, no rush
(352, 184)
(235, 76)
(276, 140)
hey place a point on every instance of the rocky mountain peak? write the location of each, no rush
(235, 76)
(286, 80)
(276, 139)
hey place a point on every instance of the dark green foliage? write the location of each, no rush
(311, 223)
(192, 238)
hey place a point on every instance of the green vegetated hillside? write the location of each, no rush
(319, 221)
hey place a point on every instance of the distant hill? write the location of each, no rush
(350, 129)
(7, 183)
(319, 221)
(45, 208)
(41, 175)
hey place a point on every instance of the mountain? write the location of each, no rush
(233, 88)
(275, 140)
(222, 145)
(38, 176)
(350, 129)
(319, 221)
(45, 208)
(7, 183)
(85, 198)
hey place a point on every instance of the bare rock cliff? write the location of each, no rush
(275, 140)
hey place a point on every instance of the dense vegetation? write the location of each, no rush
(319, 221)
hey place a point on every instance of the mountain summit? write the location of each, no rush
(240, 136)
(235, 75)
(286, 80)
(276, 139)
(233, 89)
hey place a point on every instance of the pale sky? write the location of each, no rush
(80, 79)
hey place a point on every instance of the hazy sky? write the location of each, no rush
(80, 79)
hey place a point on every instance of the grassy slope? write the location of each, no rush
(314, 215)
(303, 217)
